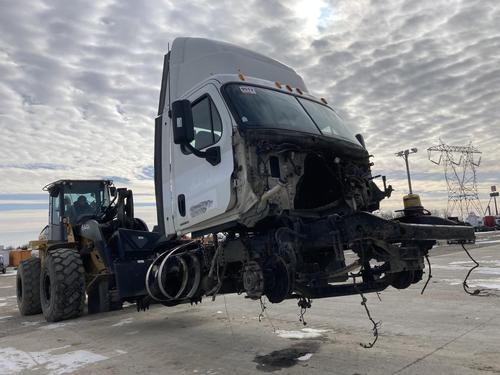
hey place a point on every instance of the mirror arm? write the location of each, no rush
(212, 154)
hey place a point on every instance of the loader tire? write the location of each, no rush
(62, 285)
(28, 287)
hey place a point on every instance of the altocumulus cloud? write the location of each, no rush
(79, 80)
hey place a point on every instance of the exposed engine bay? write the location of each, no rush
(315, 199)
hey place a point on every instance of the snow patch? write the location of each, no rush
(493, 283)
(495, 263)
(15, 361)
(304, 333)
(3, 304)
(305, 357)
(467, 265)
(487, 241)
(56, 325)
(29, 324)
(5, 317)
(9, 273)
(123, 322)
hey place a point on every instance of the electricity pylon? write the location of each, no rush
(460, 164)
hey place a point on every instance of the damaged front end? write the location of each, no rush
(306, 229)
(323, 207)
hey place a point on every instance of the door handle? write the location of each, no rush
(181, 204)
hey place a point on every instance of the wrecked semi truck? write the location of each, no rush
(269, 182)
(243, 149)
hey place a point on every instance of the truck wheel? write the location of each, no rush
(28, 287)
(62, 285)
(403, 279)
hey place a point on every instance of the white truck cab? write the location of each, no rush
(232, 90)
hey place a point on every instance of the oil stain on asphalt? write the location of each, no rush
(287, 357)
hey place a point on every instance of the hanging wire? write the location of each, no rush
(429, 277)
(466, 287)
(304, 304)
(376, 325)
(263, 311)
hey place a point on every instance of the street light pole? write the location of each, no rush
(404, 154)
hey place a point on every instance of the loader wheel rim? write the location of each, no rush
(46, 287)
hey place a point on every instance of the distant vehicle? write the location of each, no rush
(3, 267)
(473, 220)
(489, 221)
(459, 222)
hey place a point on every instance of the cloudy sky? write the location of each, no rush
(79, 85)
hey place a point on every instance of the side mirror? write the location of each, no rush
(182, 122)
(112, 191)
(361, 140)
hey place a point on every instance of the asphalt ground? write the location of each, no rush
(443, 331)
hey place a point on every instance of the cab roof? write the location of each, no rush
(62, 182)
(193, 60)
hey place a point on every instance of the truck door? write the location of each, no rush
(201, 191)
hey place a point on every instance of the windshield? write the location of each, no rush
(256, 106)
(328, 122)
(84, 198)
(261, 107)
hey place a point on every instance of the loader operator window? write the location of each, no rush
(84, 198)
(207, 124)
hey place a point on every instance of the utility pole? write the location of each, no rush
(404, 154)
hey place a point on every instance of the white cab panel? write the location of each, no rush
(206, 188)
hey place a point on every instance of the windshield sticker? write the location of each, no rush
(244, 119)
(247, 90)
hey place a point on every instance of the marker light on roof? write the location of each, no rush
(289, 88)
(324, 100)
(242, 77)
(277, 84)
(299, 91)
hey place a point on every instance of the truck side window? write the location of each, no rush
(207, 124)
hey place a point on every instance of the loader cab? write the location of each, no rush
(72, 201)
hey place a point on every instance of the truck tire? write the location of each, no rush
(62, 285)
(403, 279)
(28, 287)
